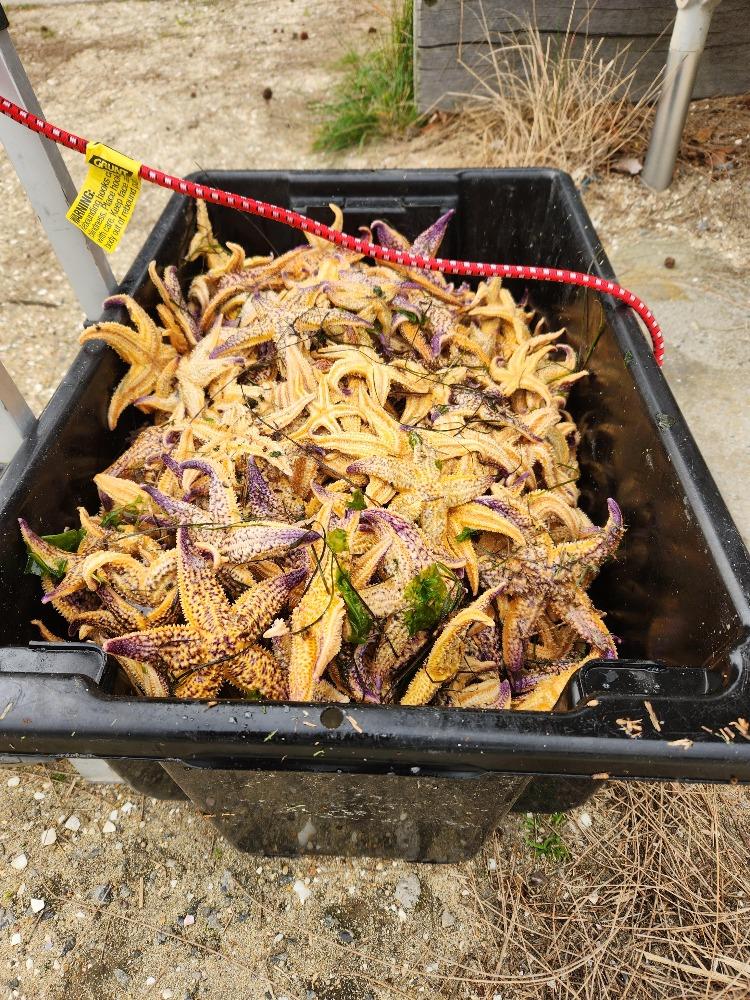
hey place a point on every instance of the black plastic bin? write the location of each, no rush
(419, 783)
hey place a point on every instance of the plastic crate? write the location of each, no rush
(421, 783)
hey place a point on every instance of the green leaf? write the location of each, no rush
(428, 599)
(114, 518)
(337, 540)
(411, 316)
(357, 501)
(414, 439)
(360, 619)
(466, 534)
(36, 566)
(67, 540)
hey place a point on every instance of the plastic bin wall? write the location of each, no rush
(676, 596)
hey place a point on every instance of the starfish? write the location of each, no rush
(150, 359)
(426, 244)
(520, 372)
(221, 529)
(218, 641)
(182, 327)
(500, 316)
(549, 578)
(318, 619)
(426, 494)
(448, 651)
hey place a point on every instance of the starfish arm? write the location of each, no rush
(257, 670)
(204, 604)
(200, 684)
(445, 656)
(428, 242)
(259, 604)
(579, 612)
(518, 624)
(382, 599)
(592, 550)
(399, 473)
(177, 646)
(484, 517)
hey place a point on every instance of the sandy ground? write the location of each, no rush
(137, 898)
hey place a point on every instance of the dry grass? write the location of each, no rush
(538, 103)
(658, 907)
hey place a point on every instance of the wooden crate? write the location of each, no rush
(451, 41)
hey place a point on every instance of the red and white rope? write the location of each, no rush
(297, 221)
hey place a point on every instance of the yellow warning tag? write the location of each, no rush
(104, 205)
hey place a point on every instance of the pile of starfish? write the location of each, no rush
(357, 483)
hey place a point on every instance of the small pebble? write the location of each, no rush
(303, 893)
(102, 894)
(447, 919)
(278, 939)
(188, 920)
(303, 36)
(121, 976)
(108, 827)
(669, 262)
(15, 938)
(19, 862)
(150, 981)
(346, 937)
(37, 905)
(431, 968)
(267, 94)
(39, 796)
(49, 837)
(14, 782)
(408, 891)
(73, 823)
(167, 995)
(491, 864)
(585, 820)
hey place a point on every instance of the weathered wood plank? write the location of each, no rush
(443, 81)
(444, 22)
(440, 74)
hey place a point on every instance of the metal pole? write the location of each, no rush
(688, 40)
(50, 190)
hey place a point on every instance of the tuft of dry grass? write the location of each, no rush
(543, 103)
(660, 907)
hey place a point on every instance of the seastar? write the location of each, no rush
(520, 371)
(426, 493)
(184, 331)
(144, 350)
(318, 619)
(219, 640)
(220, 527)
(448, 650)
(549, 578)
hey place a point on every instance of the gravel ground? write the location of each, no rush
(105, 895)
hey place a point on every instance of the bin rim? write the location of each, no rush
(81, 720)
